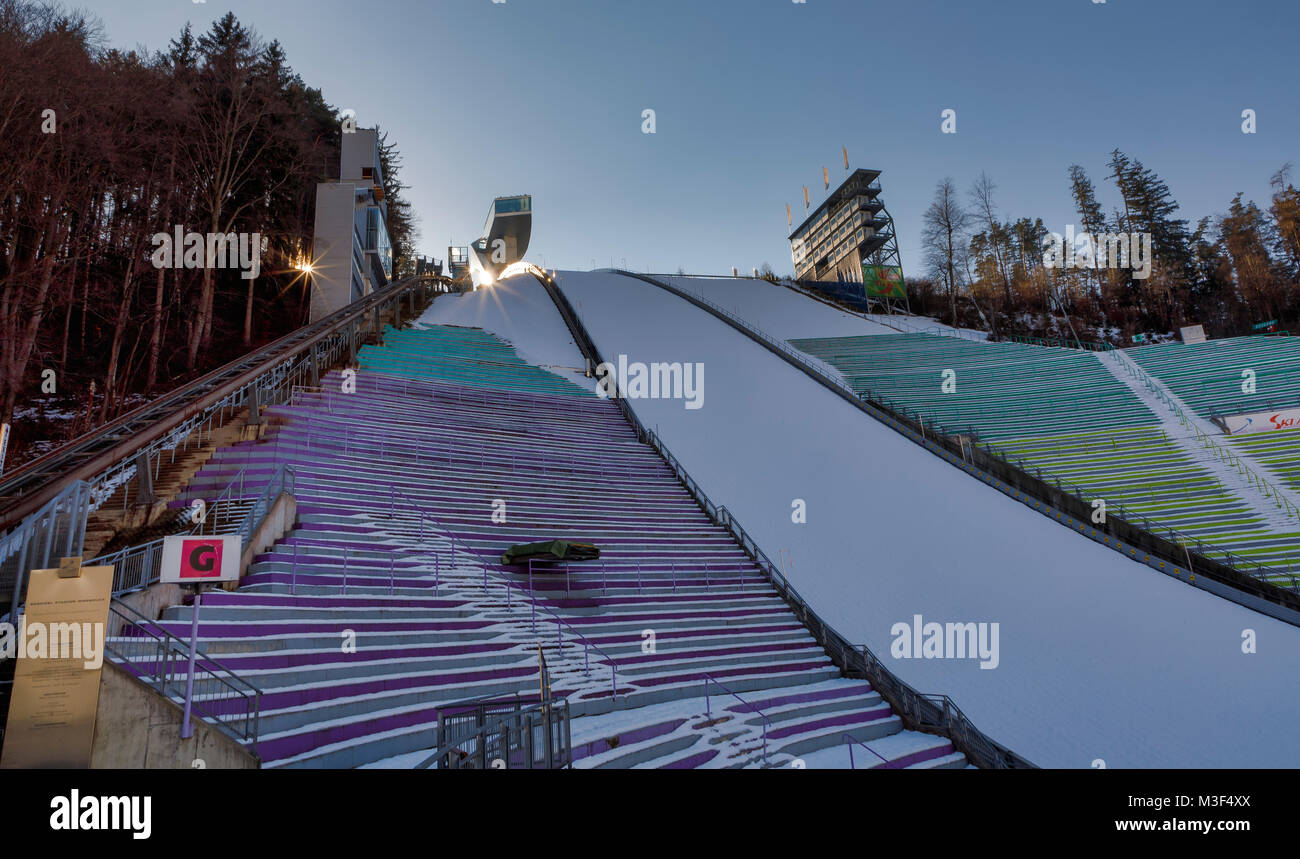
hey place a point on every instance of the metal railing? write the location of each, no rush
(428, 523)
(137, 567)
(1059, 343)
(145, 649)
(494, 734)
(1260, 483)
(57, 530)
(529, 595)
(282, 482)
(851, 741)
(109, 455)
(1218, 413)
(914, 708)
(214, 516)
(749, 708)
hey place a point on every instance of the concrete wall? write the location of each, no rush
(336, 215)
(151, 601)
(277, 522)
(136, 728)
(359, 149)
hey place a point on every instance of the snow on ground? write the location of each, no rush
(519, 311)
(408, 761)
(892, 747)
(1100, 657)
(778, 310)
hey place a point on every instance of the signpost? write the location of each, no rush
(200, 560)
(193, 562)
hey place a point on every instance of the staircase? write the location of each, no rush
(116, 524)
(388, 601)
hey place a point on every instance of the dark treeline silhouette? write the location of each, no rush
(103, 149)
(1229, 272)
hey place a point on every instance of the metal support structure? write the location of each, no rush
(187, 728)
(144, 480)
(254, 406)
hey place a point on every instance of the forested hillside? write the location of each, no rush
(105, 148)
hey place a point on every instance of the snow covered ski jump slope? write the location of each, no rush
(1099, 658)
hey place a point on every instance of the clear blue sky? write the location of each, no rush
(754, 97)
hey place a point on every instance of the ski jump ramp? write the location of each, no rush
(1099, 658)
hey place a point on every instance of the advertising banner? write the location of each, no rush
(1271, 421)
(883, 281)
(1194, 334)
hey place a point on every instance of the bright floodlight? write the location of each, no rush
(522, 267)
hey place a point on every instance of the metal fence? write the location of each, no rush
(496, 734)
(57, 530)
(160, 660)
(112, 454)
(1059, 343)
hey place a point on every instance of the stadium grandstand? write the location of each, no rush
(381, 468)
(1060, 412)
(1213, 379)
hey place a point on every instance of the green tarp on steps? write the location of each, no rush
(552, 550)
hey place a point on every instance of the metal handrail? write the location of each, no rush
(212, 510)
(145, 649)
(137, 567)
(851, 741)
(1217, 412)
(1060, 343)
(1260, 483)
(708, 714)
(284, 480)
(109, 452)
(57, 530)
(529, 595)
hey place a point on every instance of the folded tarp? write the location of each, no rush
(552, 550)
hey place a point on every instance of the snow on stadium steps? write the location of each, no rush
(396, 544)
